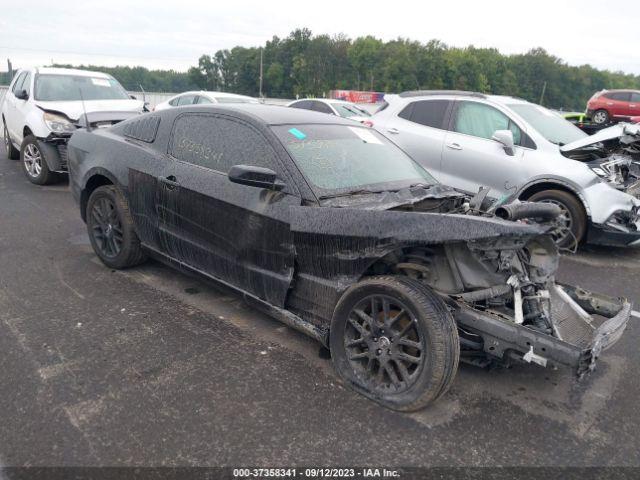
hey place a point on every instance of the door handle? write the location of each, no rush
(454, 146)
(170, 182)
(395, 131)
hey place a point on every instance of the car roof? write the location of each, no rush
(70, 71)
(272, 114)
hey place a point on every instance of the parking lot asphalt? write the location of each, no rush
(152, 367)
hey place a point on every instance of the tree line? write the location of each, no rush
(306, 65)
(303, 64)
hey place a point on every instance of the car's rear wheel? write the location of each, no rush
(574, 216)
(12, 152)
(111, 230)
(600, 117)
(34, 163)
(394, 340)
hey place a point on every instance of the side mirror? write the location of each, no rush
(22, 95)
(505, 137)
(255, 177)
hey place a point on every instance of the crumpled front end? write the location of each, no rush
(529, 317)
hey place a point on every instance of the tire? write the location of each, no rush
(111, 229)
(12, 152)
(417, 351)
(572, 209)
(600, 117)
(34, 163)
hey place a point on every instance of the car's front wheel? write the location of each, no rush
(12, 152)
(574, 217)
(600, 117)
(111, 230)
(34, 163)
(394, 340)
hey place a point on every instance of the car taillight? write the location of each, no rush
(368, 123)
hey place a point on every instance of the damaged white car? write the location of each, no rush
(469, 140)
(44, 106)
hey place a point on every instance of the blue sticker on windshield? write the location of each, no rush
(297, 133)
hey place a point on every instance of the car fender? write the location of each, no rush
(34, 121)
(562, 182)
(349, 240)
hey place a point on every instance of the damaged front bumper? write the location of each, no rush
(587, 323)
(54, 148)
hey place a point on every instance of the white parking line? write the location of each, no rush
(635, 314)
(2, 467)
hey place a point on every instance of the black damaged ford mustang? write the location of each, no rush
(335, 231)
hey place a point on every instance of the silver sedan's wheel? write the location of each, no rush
(32, 160)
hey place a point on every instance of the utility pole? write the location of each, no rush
(260, 72)
(544, 87)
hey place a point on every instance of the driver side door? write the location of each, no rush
(236, 233)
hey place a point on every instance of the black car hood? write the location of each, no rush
(406, 227)
(389, 200)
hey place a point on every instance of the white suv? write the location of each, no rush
(44, 106)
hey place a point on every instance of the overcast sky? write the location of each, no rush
(173, 35)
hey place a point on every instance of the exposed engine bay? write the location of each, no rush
(502, 291)
(613, 154)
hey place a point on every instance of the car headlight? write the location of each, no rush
(58, 123)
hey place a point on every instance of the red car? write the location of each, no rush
(608, 105)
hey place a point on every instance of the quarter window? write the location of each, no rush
(218, 143)
(430, 113)
(480, 120)
(635, 97)
(203, 100)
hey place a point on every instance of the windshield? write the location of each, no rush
(60, 88)
(338, 159)
(346, 110)
(548, 124)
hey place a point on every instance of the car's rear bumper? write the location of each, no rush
(503, 339)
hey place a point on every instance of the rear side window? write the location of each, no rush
(203, 100)
(322, 108)
(186, 100)
(480, 120)
(218, 143)
(305, 105)
(619, 96)
(144, 129)
(635, 96)
(430, 113)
